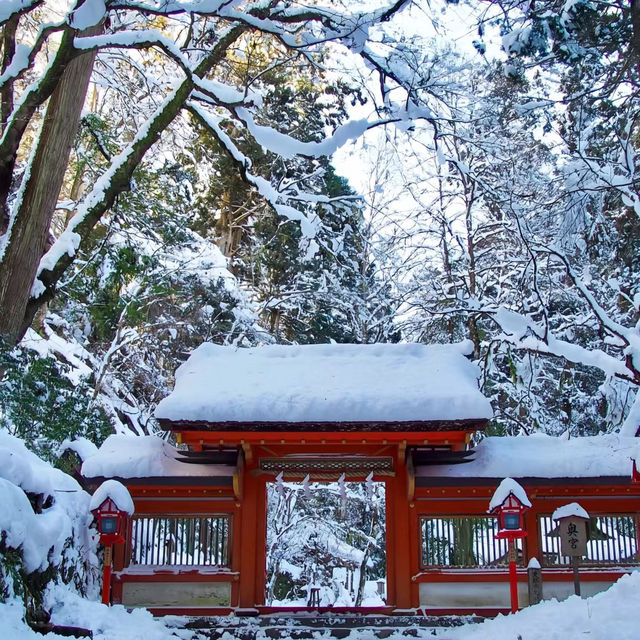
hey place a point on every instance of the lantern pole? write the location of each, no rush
(111, 505)
(513, 576)
(509, 502)
(106, 574)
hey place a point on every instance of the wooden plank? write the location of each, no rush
(176, 594)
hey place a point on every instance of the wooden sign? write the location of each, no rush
(574, 534)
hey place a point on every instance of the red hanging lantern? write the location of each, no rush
(111, 517)
(111, 522)
(510, 518)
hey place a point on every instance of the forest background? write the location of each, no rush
(168, 177)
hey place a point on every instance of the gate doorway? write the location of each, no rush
(325, 544)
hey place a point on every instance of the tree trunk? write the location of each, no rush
(635, 38)
(6, 92)
(8, 49)
(363, 576)
(22, 113)
(30, 229)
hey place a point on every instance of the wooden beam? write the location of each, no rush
(337, 438)
(415, 426)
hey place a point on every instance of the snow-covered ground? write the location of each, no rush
(611, 615)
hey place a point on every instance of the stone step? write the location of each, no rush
(324, 627)
(308, 633)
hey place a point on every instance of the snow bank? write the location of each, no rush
(607, 615)
(110, 623)
(40, 537)
(610, 614)
(326, 383)
(107, 623)
(128, 456)
(543, 456)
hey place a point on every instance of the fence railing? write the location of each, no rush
(464, 541)
(612, 541)
(469, 541)
(175, 540)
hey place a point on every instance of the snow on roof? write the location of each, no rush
(543, 456)
(129, 456)
(81, 446)
(117, 492)
(326, 383)
(507, 487)
(572, 509)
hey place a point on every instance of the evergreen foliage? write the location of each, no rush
(39, 404)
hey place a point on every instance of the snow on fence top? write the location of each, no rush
(127, 456)
(326, 383)
(543, 456)
(568, 510)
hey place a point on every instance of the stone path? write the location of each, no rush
(325, 627)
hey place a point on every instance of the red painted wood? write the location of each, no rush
(247, 544)
(587, 574)
(234, 438)
(398, 547)
(106, 576)
(169, 575)
(513, 586)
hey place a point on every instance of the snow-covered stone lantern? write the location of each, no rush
(509, 503)
(111, 505)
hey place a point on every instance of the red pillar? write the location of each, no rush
(399, 539)
(252, 541)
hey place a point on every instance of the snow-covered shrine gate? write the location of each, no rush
(219, 477)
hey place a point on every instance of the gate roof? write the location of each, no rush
(325, 384)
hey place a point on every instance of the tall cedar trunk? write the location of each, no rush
(23, 112)
(635, 38)
(30, 229)
(6, 92)
(8, 49)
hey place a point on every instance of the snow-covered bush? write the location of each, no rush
(44, 527)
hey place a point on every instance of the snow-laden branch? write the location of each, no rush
(25, 55)
(10, 8)
(116, 178)
(309, 224)
(524, 333)
(288, 147)
(204, 7)
(218, 92)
